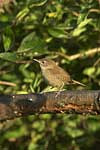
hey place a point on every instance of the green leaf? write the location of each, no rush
(57, 32)
(8, 38)
(81, 27)
(84, 23)
(22, 14)
(89, 71)
(32, 43)
(2, 49)
(37, 3)
(9, 56)
(16, 133)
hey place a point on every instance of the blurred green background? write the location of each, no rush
(55, 29)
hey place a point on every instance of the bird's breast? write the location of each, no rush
(54, 78)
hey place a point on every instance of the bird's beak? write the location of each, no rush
(37, 60)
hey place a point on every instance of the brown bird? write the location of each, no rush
(55, 75)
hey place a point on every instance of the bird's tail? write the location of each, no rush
(76, 82)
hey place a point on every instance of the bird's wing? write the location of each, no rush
(61, 74)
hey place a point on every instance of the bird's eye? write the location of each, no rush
(43, 62)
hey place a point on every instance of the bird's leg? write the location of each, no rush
(60, 89)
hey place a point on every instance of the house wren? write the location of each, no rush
(55, 75)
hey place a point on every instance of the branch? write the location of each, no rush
(12, 106)
(7, 83)
(80, 55)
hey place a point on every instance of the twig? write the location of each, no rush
(97, 62)
(24, 62)
(80, 55)
(7, 83)
(71, 58)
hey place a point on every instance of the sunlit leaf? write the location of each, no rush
(81, 27)
(57, 32)
(89, 71)
(22, 14)
(37, 3)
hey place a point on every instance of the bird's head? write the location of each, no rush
(46, 63)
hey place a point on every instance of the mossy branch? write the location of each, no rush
(79, 102)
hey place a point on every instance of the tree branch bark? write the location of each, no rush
(80, 102)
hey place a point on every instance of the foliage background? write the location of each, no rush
(55, 29)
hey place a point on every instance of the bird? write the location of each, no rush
(54, 74)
